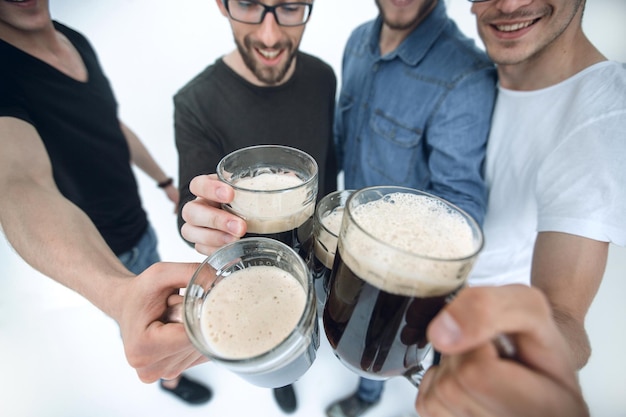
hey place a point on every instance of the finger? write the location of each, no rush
(174, 314)
(479, 315)
(211, 188)
(201, 213)
(208, 250)
(205, 237)
(483, 376)
(158, 349)
(445, 394)
(170, 367)
(168, 276)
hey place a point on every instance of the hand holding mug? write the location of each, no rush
(207, 225)
(474, 378)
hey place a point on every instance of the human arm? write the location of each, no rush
(569, 270)
(472, 379)
(141, 157)
(582, 200)
(58, 239)
(456, 140)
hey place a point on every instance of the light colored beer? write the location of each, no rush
(251, 311)
(415, 224)
(326, 243)
(284, 207)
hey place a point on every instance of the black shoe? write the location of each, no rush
(286, 398)
(190, 391)
(351, 406)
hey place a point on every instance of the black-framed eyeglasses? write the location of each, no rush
(253, 12)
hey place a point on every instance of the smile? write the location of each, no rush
(515, 26)
(269, 54)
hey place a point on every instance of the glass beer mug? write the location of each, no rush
(401, 255)
(251, 308)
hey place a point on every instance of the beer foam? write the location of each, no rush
(332, 220)
(252, 311)
(432, 242)
(269, 181)
(326, 243)
(272, 212)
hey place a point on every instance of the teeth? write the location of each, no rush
(514, 27)
(269, 54)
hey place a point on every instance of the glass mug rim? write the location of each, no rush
(306, 182)
(328, 197)
(399, 189)
(195, 335)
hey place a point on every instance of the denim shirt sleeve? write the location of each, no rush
(457, 140)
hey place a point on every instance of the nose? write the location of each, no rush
(269, 30)
(509, 6)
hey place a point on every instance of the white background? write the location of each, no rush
(59, 356)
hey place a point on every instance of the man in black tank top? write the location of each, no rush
(67, 160)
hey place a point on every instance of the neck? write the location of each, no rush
(42, 38)
(235, 62)
(49, 46)
(391, 37)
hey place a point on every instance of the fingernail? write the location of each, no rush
(445, 331)
(234, 227)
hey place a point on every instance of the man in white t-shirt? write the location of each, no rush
(554, 160)
(554, 164)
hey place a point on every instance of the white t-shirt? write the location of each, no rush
(556, 161)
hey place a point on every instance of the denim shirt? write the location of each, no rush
(419, 116)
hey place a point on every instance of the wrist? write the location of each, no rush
(166, 183)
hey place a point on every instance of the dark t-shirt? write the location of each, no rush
(218, 112)
(79, 127)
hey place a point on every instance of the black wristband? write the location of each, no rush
(166, 183)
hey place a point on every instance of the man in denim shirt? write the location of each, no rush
(414, 110)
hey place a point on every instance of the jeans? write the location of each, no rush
(143, 255)
(370, 390)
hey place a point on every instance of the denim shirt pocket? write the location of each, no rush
(394, 151)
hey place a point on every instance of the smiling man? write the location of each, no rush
(557, 139)
(264, 92)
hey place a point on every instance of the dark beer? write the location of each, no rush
(395, 339)
(400, 256)
(299, 239)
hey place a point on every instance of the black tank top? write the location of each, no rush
(79, 126)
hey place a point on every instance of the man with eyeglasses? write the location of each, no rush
(264, 92)
(414, 110)
(557, 188)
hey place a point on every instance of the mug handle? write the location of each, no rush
(416, 373)
(503, 343)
